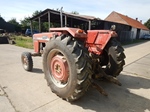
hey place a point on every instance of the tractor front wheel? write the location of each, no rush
(26, 60)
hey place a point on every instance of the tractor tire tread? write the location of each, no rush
(82, 66)
(118, 56)
(28, 57)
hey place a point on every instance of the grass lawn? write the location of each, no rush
(23, 41)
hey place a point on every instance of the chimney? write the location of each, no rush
(140, 21)
(136, 19)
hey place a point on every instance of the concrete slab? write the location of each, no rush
(5, 105)
(144, 61)
(140, 67)
(127, 98)
(147, 56)
(136, 51)
(27, 90)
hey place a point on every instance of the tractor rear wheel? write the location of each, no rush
(66, 67)
(114, 58)
(26, 60)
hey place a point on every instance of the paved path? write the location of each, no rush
(22, 91)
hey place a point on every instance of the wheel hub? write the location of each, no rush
(59, 68)
(25, 61)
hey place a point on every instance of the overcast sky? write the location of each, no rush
(99, 8)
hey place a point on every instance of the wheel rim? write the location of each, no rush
(25, 62)
(58, 68)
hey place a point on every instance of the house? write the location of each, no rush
(136, 30)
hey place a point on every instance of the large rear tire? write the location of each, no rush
(66, 67)
(114, 58)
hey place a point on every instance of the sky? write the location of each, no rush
(99, 8)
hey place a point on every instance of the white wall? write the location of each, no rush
(134, 30)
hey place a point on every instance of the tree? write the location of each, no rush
(36, 13)
(25, 23)
(14, 21)
(75, 12)
(147, 24)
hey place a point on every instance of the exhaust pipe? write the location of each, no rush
(61, 17)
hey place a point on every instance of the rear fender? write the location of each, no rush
(98, 39)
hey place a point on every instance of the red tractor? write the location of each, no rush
(73, 59)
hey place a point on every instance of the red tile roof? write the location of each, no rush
(120, 18)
